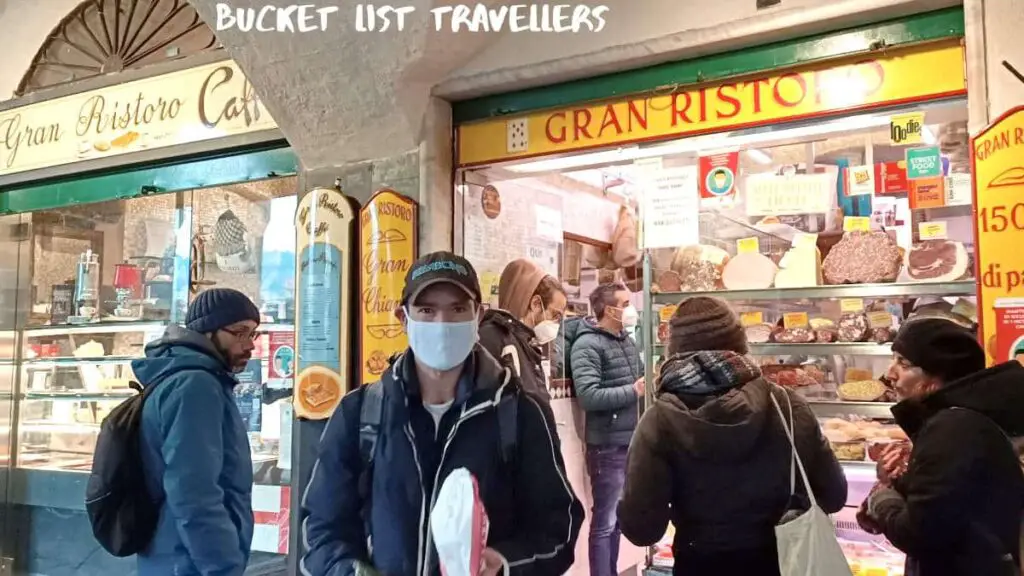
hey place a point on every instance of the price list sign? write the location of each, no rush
(998, 158)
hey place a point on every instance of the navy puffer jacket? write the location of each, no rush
(604, 368)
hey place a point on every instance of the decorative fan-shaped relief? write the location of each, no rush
(102, 36)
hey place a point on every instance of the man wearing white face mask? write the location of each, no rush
(444, 404)
(608, 376)
(530, 308)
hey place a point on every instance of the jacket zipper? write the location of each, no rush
(423, 548)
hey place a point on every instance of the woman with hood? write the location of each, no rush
(711, 454)
(530, 307)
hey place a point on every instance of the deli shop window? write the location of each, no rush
(824, 235)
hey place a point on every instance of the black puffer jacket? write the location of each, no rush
(604, 368)
(958, 507)
(718, 466)
(511, 342)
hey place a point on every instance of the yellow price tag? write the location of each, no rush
(666, 312)
(751, 318)
(794, 320)
(932, 230)
(856, 224)
(851, 305)
(748, 245)
(880, 319)
(805, 241)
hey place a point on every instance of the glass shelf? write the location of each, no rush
(80, 396)
(959, 288)
(837, 349)
(73, 361)
(93, 328)
(836, 409)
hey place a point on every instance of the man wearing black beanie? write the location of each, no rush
(956, 510)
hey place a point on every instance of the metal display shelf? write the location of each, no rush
(837, 349)
(960, 288)
(836, 409)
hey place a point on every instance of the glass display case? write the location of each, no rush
(822, 280)
(92, 284)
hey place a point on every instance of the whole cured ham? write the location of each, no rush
(937, 261)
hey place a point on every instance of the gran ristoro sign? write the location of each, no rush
(203, 103)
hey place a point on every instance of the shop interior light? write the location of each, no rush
(928, 136)
(702, 144)
(759, 156)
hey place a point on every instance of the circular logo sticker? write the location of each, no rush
(719, 181)
(284, 361)
(490, 201)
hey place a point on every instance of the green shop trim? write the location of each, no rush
(185, 174)
(921, 28)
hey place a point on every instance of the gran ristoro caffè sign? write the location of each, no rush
(203, 103)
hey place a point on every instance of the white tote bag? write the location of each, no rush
(807, 545)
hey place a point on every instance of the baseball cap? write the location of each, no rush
(439, 267)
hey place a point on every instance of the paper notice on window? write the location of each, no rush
(549, 223)
(770, 195)
(671, 208)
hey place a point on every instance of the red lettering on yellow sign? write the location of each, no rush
(898, 76)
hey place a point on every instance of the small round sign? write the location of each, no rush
(720, 181)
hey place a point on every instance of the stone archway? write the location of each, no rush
(104, 36)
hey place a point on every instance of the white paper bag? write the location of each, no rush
(807, 545)
(459, 525)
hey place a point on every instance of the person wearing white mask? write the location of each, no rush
(444, 404)
(608, 376)
(530, 308)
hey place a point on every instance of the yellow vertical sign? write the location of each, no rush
(998, 158)
(388, 228)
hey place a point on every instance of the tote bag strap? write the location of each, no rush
(788, 427)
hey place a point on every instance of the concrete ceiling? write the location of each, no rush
(342, 96)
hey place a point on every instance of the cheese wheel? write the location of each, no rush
(749, 271)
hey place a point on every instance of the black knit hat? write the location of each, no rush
(703, 323)
(940, 347)
(217, 308)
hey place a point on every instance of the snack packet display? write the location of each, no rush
(459, 525)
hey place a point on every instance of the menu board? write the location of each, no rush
(387, 248)
(323, 221)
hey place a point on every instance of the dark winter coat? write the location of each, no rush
(534, 515)
(717, 465)
(604, 368)
(512, 342)
(197, 461)
(958, 506)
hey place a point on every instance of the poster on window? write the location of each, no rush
(718, 178)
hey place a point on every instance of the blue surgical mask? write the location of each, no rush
(441, 345)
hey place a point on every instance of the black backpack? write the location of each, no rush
(122, 513)
(371, 414)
